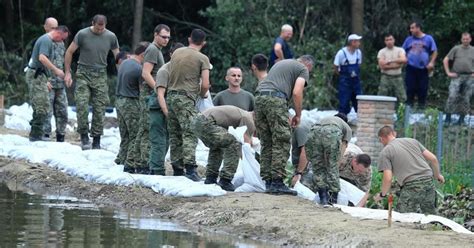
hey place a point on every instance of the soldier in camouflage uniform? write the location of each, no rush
(188, 67)
(285, 81)
(153, 60)
(57, 97)
(414, 168)
(39, 70)
(462, 78)
(326, 143)
(128, 104)
(94, 42)
(211, 127)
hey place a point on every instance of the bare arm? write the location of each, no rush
(247, 139)
(278, 52)
(446, 68)
(115, 52)
(46, 62)
(336, 69)
(433, 161)
(67, 63)
(205, 83)
(161, 100)
(434, 55)
(363, 201)
(301, 166)
(146, 74)
(386, 184)
(298, 100)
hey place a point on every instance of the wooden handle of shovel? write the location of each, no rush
(390, 208)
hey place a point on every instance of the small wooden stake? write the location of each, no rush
(390, 208)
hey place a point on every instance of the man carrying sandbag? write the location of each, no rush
(211, 127)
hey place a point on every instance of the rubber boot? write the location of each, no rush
(323, 197)
(461, 119)
(280, 188)
(333, 198)
(226, 184)
(96, 142)
(85, 142)
(447, 121)
(59, 137)
(210, 180)
(191, 173)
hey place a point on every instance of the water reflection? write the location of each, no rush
(28, 220)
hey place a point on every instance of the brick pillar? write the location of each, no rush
(373, 113)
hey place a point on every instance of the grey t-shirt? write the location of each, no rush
(404, 157)
(243, 99)
(299, 137)
(463, 58)
(43, 45)
(94, 48)
(128, 78)
(154, 56)
(282, 77)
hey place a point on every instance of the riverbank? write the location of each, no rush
(280, 220)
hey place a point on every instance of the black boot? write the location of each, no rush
(461, 119)
(191, 173)
(59, 137)
(333, 198)
(226, 184)
(143, 171)
(157, 172)
(96, 142)
(323, 197)
(128, 169)
(210, 180)
(177, 168)
(85, 142)
(447, 121)
(268, 186)
(46, 137)
(279, 188)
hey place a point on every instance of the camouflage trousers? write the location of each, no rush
(140, 151)
(127, 109)
(91, 84)
(183, 142)
(273, 129)
(323, 149)
(38, 91)
(460, 91)
(392, 86)
(417, 196)
(58, 108)
(159, 140)
(221, 145)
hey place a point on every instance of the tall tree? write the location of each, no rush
(357, 15)
(137, 23)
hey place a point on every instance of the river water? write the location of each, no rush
(30, 220)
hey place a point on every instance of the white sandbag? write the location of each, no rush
(381, 214)
(347, 193)
(204, 103)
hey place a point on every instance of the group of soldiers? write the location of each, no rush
(156, 108)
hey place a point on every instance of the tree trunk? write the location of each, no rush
(357, 15)
(137, 23)
(9, 21)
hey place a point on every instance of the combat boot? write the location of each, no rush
(279, 188)
(210, 180)
(59, 137)
(226, 184)
(191, 173)
(144, 170)
(46, 137)
(461, 120)
(447, 121)
(96, 142)
(177, 168)
(268, 186)
(333, 198)
(157, 172)
(128, 169)
(85, 142)
(323, 197)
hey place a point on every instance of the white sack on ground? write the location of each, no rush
(381, 214)
(348, 193)
(98, 166)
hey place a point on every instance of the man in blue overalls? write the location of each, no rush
(347, 66)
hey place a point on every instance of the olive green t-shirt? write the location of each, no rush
(162, 78)
(282, 77)
(403, 156)
(154, 56)
(226, 116)
(345, 128)
(43, 45)
(185, 69)
(94, 48)
(463, 58)
(243, 99)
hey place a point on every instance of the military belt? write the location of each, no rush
(175, 92)
(278, 94)
(94, 69)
